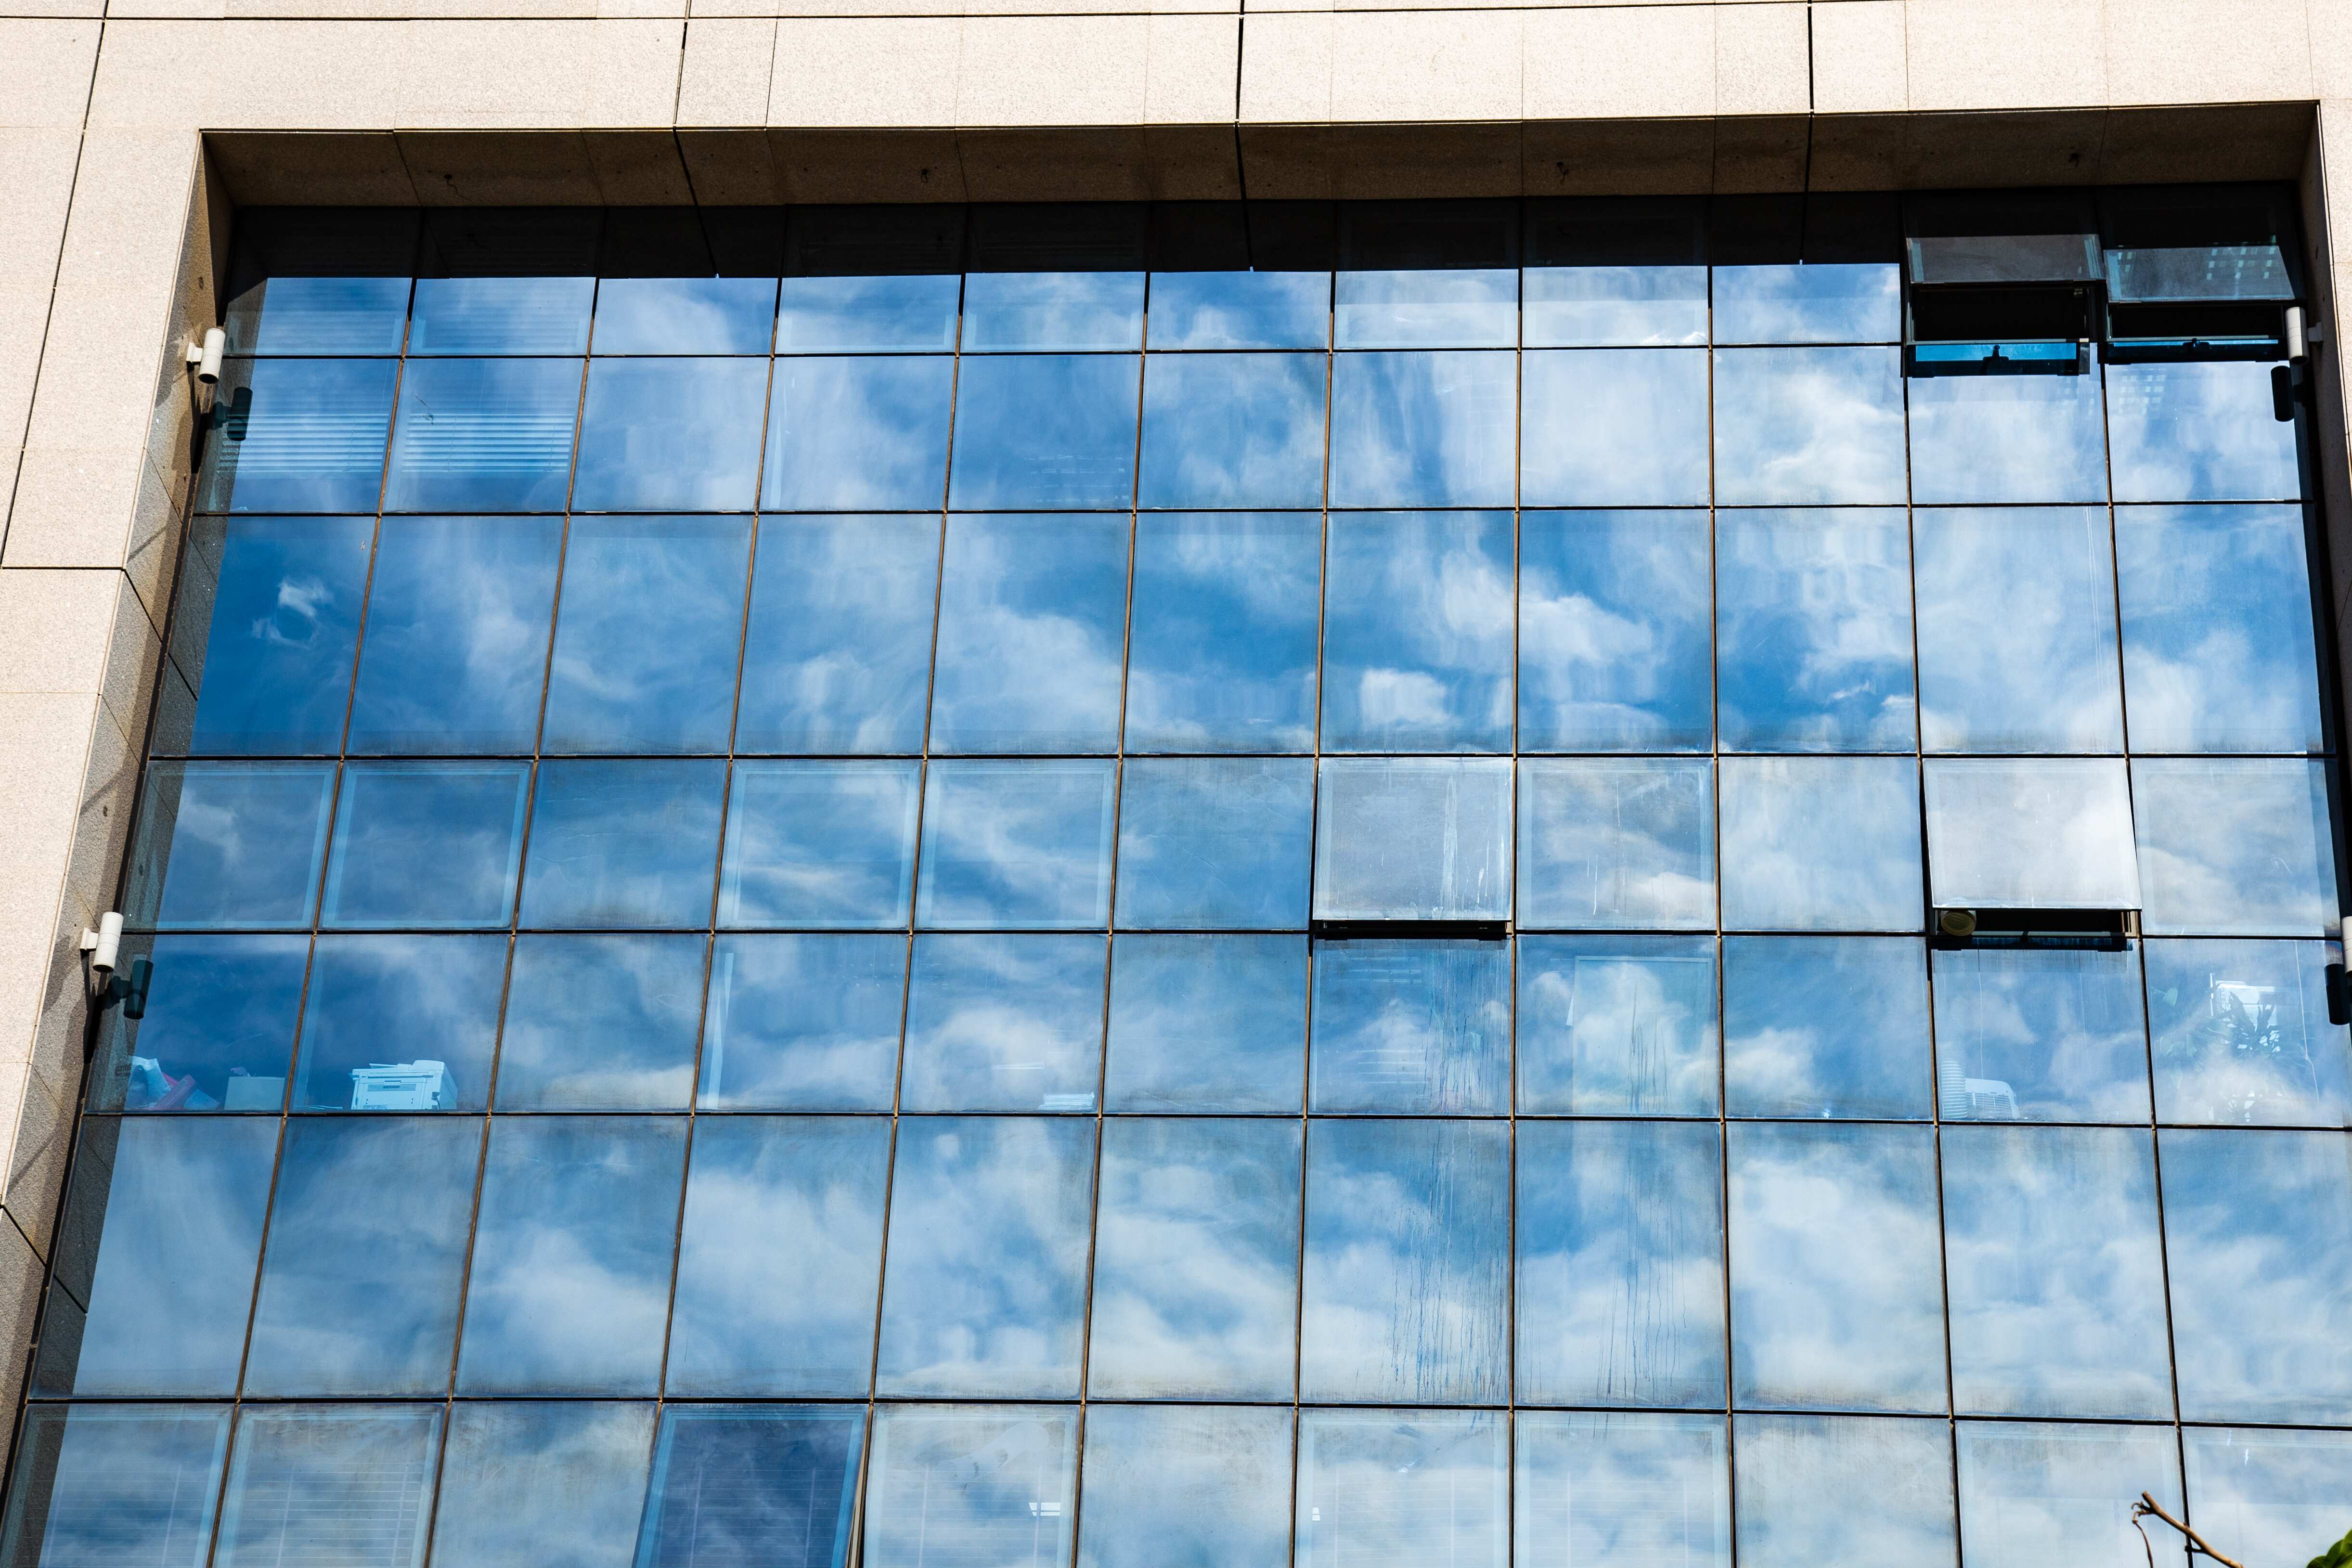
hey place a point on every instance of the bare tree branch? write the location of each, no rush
(2148, 1505)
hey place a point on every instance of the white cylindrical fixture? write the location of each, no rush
(2298, 346)
(208, 363)
(109, 946)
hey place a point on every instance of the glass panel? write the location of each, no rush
(1196, 1261)
(2218, 651)
(2057, 1274)
(1004, 1022)
(570, 1282)
(1417, 633)
(1422, 429)
(1615, 641)
(1617, 1026)
(376, 1002)
(219, 1025)
(484, 435)
(1622, 844)
(1067, 277)
(1222, 645)
(329, 1484)
(983, 1292)
(2197, 432)
(848, 433)
(624, 844)
(2007, 439)
(1413, 839)
(838, 656)
(649, 635)
(1619, 1227)
(1613, 427)
(115, 1484)
(780, 1258)
(2261, 1317)
(158, 1246)
(1623, 1488)
(297, 435)
(320, 281)
(1418, 274)
(367, 1257)
(1808, 302)
(2017, 631)
(972, 1485)
(803, 1023)
(2235, 848)
(1821, 842)
(861, 278)
(1228, 430)
(751, 1486)
(1860, 1491)
(1614, 271)
(2034, 1496)
(525, 279)
(1031, 613)
(1408, 1264)
(457, 619)
(542, 1486)
(1412, 1028)
(1207, 1024)
(1809, 426)
(1402, 1489)
(1185, 1485)
(670, 435)
(2049, 833)
(2242, 1033)
(1831, 1027)
(2268, 1496)
(2040, 1036)
(1241, 310)
(1215, 845)
(267, 625)
(1017, 844)
(601, 1023)
(1836, 1298)
(427, 843)
(696, 281)
(1045, 430)
(228, 843)
(819, 844)
(1814, 632)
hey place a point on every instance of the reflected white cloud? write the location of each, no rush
(849, 433)
(1621, 1025)
(1617, 844)
(1004, 1022)
(1809, 427)
(1193, 1486)
(1621, 1487)
(1615, 645)
(1613, 427)
(2232, 848)
(2061, 1496)
(1417, 633)
(2269, 1496)
(1228, 430)
(1422, 429)
(2007, 439)
(1032, 615)
(601, 1023)
(542, 1486)
(2197, 432)
(1222, 655)
(1412, 1028)
(803, 1023)
(1813, 631)
(1402, 1489)
(838, 654)
(972, 1485)
(1821, 844)
(1869, 1491)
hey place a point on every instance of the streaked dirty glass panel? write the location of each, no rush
(1004, 1022)
(115, 1483)
(601, 1023)
(1413, 839)
(1869, 1491)
(1410, 1027)
(1617, 1026)
(2238, 847)
(350, 1483)
(1825, 1027)
(1193, 1484)
(1621, 1486)
(738, 1485)
(973, 1485)
(1617, 844)
(2060, 1496)
(2042, 833)
(803, 1023)
(1207, 1024)
(558, 1484)
(1398, 1488)
(1821, 844)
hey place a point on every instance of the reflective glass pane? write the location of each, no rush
(107, 1484)
(1422, 429)
(330, 1483)
(1413, 839)
(1045, 430)
(1052, 311)
(2040, 1036)
(228, 843)
(1617, 844)
(1004, 1022)
(1619, 1258)
(1196, 1260)
(1228, 430)
(320, 281)
(848, 433)
(803, 1023)
(1207, 1024)
(985, 1291)
(1428, 274)
(1627, 271)
(366, 1257)
(1808, 302)
(779, 1257)
(457, 621)
(1266, 309)
(1191, 1485)
(1821, 844)
(543, 1485)
(972, 1485)
(1617, 1026)
(218, 1029)
(1813, 631)
(2017, 631)
(1613, 427)
(1417, 633)
(1222, 640)
(1412, 1028)
(1809, 426)
(624, 844)
(751, 1486)
(2197, 432)
(523, 281)
(264, 640)
(601, 1023)
(297, 435)
(1615, 641)
(2234, 847)
(684, 315)
(401, 1023)
(1831, 1027)
(1407, 1276)
(1836, 1284)
(1017, 844)
(1032, 613)
(819, 844)
(648, 634)
(670, 435)
(1622, 1488)
(570, 1281)
(1860, 1491)
(1213, 845)
(870, 280)
(2268, 1496)
(838, 656)
(1401, 1489)
(2007, 439)
(158, 1246)
(2056, 1272)
(2046, 833)
(2038, 1496)
(484, 435)
(427, 843)
(2242, 1035)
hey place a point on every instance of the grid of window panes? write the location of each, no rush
(1192, 884)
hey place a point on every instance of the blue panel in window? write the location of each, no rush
(1230, 431)
(1412, 1028)
(684, 315)
(2007, 439)
(2238, 847)
(2050, 1496)
(515, 280)
(972, 1485)
(1186, 1484)
(601, 1023)
(1609, 1213)
(401, 1023)
(2197, 432)
(671, 435)
(752, 1486)
(1032, 613)
(803, 1023)
(1058, 311)
(1260, 309)
(2040, 1036)
(1045, 430)
(1423, 429)
(1617, 844)
(158, 1247)
(2268, 1496)
(1617, 1026)
(427, 843)
(1019, 845)
(850, 433)
(545, 1482)
(313, 281)
(1813, 631)
(218, 1030)
(1821, 844)
(459, 615)
(484, 435)
(347, 1483)
(1825, 1027)
(1196, 1260)
(1646, 305)
(1417, 633)
(1004, 1022)
(780, 1258)
(367, 1257)
(1614, 640)
(1613, 427)
(983, 1294)
(297, 435)
(2241, 1034)
(1808, 302)
(1624, 1486)
(1212, 1023)
(854, 297)
(1422, 275)
(1871, 1489)
(570, 1282)
(819, 844)
(120, 1483)
(269, 625)
(1215, 845)
(1399, 1488)
(838, 656)
(1809, 427)
(228, 843)
(648, 636)
(1407, 839)
(624, 844)
(1222, 640)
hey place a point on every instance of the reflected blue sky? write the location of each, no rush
(228, 843)
(1417, 628)
(849, 433)
(484, 435)
(837, 655)
(1212, 1023)
(1616, 643)
(1613, 427)
(553, 1483)
(1264, 309)
(1813, 631)
(1185, 1487)
(601, 1023)
(300, 434)
(1825, 1027)
(2007, 439)
(870, 314)
(425, 843)
(819, 844)
(1215, 845)
(1412, 1028)
(1821, 844)
(127, 1483)
(294, 1470)
(1016, 844)
(271, 665)
(1394, 1488)
(377, 999)
(1032, 613)
(1809, 427)
(1869, 1491)
(1045, 430)
(1617, 844)
(624, 844)
(1634, 306)
(670, 435)
(751, 1483)
(219, 1024)
(803, 1023)
(648, 634)
(2051, 1496)
(1233, 430)
(1808, 302)
(1004, 1022)
(2241, 1034)
(2041, 1037)
(1422, 429)
(2229, 848)
(1617, 1026)
(1223, 629)
(1598, 1487)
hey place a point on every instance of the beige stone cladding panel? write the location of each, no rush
(2006, 54)
(1861, 58)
